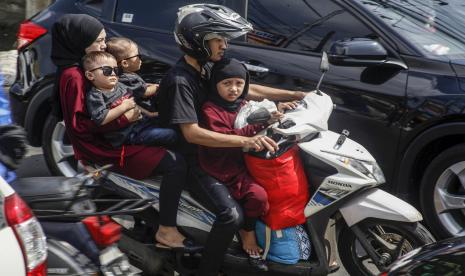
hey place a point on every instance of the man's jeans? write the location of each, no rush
(147, 133)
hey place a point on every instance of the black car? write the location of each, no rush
(446, 257)
(397, 79)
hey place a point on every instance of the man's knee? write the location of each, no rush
(176, 162)
(231, 216)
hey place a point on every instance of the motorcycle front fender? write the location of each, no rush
(376, 203)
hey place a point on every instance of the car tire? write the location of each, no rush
(442, 194)
(58, 152)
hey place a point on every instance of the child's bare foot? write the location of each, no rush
(169, 236)
(249, 243)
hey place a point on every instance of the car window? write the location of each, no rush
(93, 6)
(301, 25)
(154, 14)
(436, 28)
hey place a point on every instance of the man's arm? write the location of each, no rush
(259, 92)
(194, 134)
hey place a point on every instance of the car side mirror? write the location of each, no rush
(357, 52)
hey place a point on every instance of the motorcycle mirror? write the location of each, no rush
(259, 116)
(324, 64)
(324, 67)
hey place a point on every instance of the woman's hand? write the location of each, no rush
(260, 142)
(133, 114)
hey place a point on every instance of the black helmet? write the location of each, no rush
(198, 23)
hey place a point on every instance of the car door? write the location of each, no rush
(286, 46)
(151, 24)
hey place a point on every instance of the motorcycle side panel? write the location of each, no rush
(190, 212)
(324, 147)
(376, 203)
(340, 180)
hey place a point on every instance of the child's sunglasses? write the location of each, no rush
(138, 56)
(107, 70)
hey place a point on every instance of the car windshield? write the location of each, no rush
(435, 27)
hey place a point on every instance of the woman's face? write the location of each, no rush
(230, 89)
(98, 44)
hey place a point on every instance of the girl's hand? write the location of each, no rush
(275, 117)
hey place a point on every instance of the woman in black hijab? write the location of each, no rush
(73, 36)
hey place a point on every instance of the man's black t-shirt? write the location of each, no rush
(181, 95)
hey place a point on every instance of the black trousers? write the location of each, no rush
(174, 170)
(229, 217)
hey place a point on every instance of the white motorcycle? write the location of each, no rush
(373, 227)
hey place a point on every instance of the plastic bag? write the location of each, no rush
(285, 182)
(248, 108)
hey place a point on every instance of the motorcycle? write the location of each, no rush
(373, 227)
(81, 240)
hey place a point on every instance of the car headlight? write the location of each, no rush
(370, 169)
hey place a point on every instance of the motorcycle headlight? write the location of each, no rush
(370, 169)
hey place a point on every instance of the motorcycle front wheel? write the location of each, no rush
(388, 239)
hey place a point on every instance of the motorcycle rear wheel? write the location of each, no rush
(404, 236)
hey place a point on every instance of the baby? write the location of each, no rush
(128, 58)
(108, 99)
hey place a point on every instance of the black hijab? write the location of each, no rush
(71, 35)
(225, 69)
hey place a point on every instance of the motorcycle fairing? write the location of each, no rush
(190, 212)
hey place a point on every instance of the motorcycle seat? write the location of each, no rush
(48, 195)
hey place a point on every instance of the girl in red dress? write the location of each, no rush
(228, 89)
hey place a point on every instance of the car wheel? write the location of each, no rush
(442, 193)
(58, 152)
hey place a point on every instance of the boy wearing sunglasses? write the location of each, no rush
(108, 99)
(128, 58)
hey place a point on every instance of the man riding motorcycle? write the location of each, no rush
(202, 31)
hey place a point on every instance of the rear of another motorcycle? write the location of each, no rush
(80, 238)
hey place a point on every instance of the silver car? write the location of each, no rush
(23, 249)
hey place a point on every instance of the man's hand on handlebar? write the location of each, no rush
(299, 95)
(260, 142)
(282, 107)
